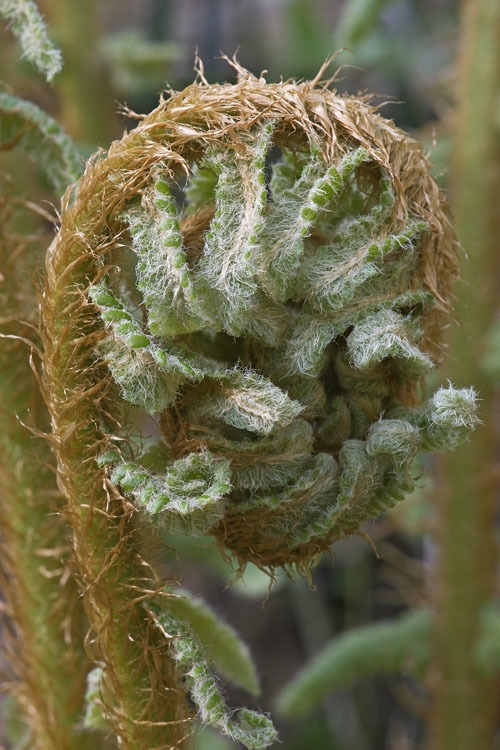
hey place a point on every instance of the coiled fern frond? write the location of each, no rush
(267, 269)
(240, 305)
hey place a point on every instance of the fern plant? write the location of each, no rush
(239, 307)
(274, 329)
(253, 292)
(43, 634)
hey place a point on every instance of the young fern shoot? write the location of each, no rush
(273, 323)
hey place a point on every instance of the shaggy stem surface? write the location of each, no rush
(149, 708)
(44, 642)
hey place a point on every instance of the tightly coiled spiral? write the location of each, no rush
(272, 271)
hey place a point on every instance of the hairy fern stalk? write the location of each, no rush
(241, 303)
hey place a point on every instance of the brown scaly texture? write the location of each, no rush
(149, 707)
(179, 132)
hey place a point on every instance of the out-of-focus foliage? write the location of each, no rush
(385, 647)
(26, 125)
(138, 64)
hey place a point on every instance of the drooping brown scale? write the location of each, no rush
(241, 534)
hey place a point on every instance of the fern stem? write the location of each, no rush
(149, 706)
(48, 658)
(85, 101)
(29, 27)
(465, 702)
(48, 623)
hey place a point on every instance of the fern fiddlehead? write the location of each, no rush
(272, 330)
(324, 282)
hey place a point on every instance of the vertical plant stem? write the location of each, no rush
(48, 625)
(147, 707)
(86, 102)
(465, 703)
(47, 654)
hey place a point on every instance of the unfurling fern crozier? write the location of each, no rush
(242, 302)
(271, 295)
(283, 311)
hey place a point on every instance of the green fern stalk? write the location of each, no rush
(148, 702)
(465, 702)
(48, 624)
(86, 101)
